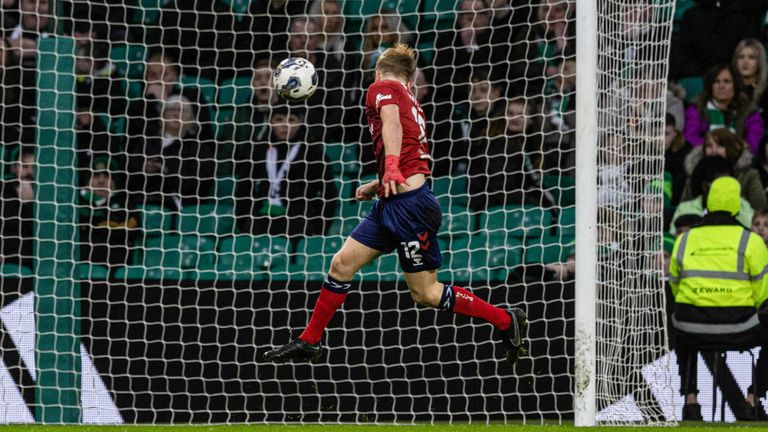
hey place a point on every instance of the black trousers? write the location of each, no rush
(688, 344)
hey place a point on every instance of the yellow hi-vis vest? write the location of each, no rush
(720, 266)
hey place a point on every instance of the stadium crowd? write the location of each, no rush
(174, 112)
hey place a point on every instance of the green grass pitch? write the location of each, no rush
(685, 427)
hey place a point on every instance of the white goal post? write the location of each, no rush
(622, 61)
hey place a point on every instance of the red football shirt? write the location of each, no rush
(414, 152)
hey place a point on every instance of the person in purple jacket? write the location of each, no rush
(723, 104)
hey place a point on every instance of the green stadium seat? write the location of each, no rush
(224, 190)
(457, 221)
(313, 256)
(562, 187)
(693, 86)
(343, 159)
(147, 12)
(11, 270)
(92, 272)
(518, 221)
(179, 252)
(548, 249)
(567, 221)
(483, 256)
(147, 273)
(235, 92)
(155, 219)
(385, 268)
(129, 59)
(451, 190)
(206, 87)
(244, 256)
(207, 219)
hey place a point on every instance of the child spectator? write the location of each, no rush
(723, 143)
(723, 104)
(760, 224)
(285, 186)
(685, 222)
(708, 170)
(107, 225)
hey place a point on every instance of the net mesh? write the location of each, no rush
(141, 207)
(633, 41)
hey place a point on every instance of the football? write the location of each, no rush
(295, 79)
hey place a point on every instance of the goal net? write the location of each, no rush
(166, 217)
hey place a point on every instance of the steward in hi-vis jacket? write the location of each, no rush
(718, 279)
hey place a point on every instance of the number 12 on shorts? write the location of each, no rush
(412, 251)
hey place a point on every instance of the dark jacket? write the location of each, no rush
(308, 192)
(107, 228)
(16, 226)
(501, 174)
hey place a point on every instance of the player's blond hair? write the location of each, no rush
(400, 61)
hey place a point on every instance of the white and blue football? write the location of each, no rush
(295, 79)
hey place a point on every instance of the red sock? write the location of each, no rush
(325, 307)
(468, 304)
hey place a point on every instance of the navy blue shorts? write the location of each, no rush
(408, 221)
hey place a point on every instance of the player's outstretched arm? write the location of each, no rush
(367, 191)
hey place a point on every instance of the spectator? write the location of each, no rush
(381, 32)
(685, 222)
(723, 143)
(17, 210)
(36, 21)
(285, 186)
(448, 147)
(97, 78)
(268, 22)
(760, 225)
(749, 60)
(500, 171)
(325, 106)
(720, 307)
(723, 104)
(326, 15)
(9, 17)
(10, 108)
(93, 139)
(555, 33)
(201, 34)
(485, 104)
(97, 19)
(108, 227)
(709, 169)
(676, 149)
(145, 127)
(760, 162)
(560, 96)
(250, 122)
(175, 168)
(709, 32)
(466, 47)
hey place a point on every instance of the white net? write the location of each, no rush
(634, 380)
(179, 217)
